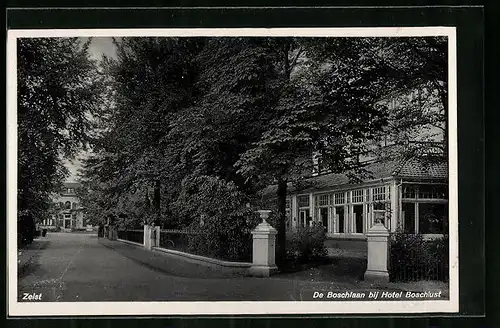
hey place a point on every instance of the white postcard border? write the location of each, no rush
(21, 309)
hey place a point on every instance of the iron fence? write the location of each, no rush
(426, 260)
(179, 240)
(136, 236)
(194, 242)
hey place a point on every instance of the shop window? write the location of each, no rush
(432, 218)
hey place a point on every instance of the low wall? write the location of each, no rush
(240, 267)
(130, 242)
(263, 248)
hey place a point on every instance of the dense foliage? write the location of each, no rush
(58, 91)
(235, 115)
(306, 245)
(413, 258)
(222, 222)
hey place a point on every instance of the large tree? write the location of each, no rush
(417, 69)
(247, 111)
(150, 81)
(337, 98)
(58, 91)
(326, 105)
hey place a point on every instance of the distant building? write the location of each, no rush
(68, 214)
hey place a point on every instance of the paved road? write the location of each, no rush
(80, 267)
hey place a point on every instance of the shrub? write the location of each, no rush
(306, 245)
(413, 258)
(227, 222)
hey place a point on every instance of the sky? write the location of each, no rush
(98, 47)
(102, 46)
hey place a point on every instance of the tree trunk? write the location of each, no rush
(157, 201)
(281, 237)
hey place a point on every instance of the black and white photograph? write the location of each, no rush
(232, 171)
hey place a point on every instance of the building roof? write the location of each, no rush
(408, 169)
(72, 185)
(414, 168)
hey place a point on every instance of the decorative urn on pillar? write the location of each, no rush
(264, 245)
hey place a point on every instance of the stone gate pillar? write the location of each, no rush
(264, 245)
(156, 235)
(113, 234)
(147, 237)
(378, 253)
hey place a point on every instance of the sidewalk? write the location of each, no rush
(169, 264)
(26, 257)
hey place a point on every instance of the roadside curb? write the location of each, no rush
(203, 259)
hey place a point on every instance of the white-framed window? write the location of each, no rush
(322, 203)
(424, 208)
(323, 200)
(380, 206)
(323, 214)
(357, 196)
(358, 218)
(423, 217)
(432, 192)
(305, 218)
(340, 222)
(409, 191)
(288, 214)
(379, 194)
(303, 201)
(339, 198)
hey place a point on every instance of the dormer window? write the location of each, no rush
(71, 190)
